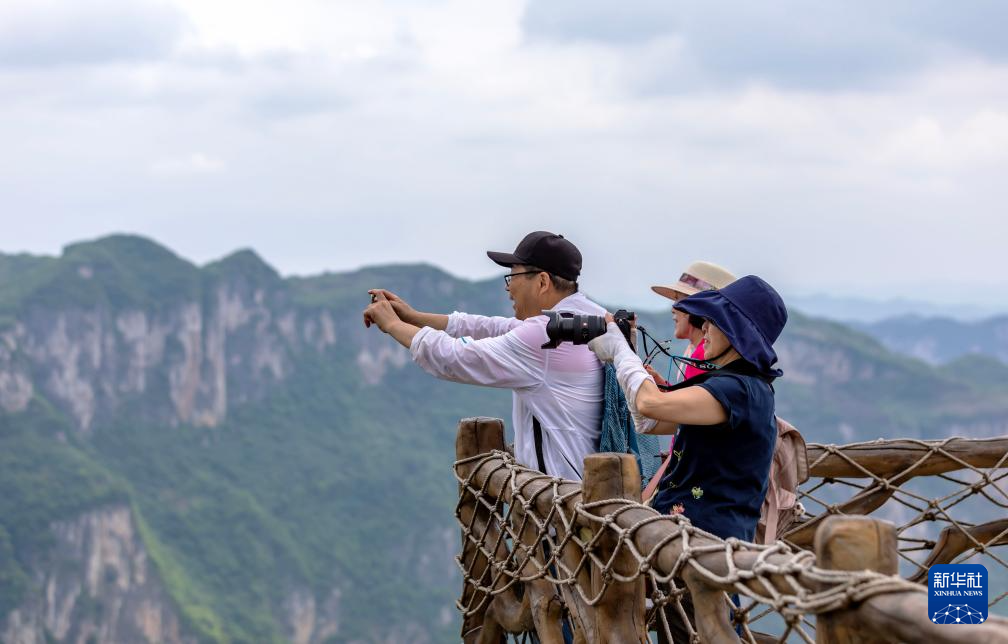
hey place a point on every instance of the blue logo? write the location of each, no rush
(957, 593)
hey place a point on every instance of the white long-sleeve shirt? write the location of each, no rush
(561, 387)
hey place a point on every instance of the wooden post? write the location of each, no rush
(544, 604)
(619, 614)
(853, 543)
(710, 611)
(477, 436)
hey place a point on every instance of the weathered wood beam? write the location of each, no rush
(545, 607)
(863, 503)
(952, 542)
(886, 459)
(507, 614)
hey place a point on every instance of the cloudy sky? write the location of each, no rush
(854, 148)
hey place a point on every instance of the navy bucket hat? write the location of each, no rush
(750, 313)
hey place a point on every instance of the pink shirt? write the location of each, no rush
(688, 373)
(690, 370)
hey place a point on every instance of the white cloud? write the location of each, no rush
(303, 129)
(195, 163)
(980, 139)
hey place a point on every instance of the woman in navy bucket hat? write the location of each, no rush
(724, 417)
(750, 313)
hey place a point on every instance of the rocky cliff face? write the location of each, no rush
(182, 363)
(309, 621)
(95, 586)
(426, 560)
(167, 357)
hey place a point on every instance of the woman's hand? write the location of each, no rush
(661, 382)
(607, 345)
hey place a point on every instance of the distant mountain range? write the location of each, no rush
(219, 454)
(867, 310)
(942, 340)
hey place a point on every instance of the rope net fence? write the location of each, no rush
(945, 497)
(541, 555)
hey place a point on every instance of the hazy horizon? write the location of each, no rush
(844, 307)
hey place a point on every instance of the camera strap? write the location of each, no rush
(740, 367)
(706, 364)
(657, 345)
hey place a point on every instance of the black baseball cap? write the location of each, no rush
(545, 250)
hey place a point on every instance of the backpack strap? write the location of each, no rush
(652, 485)
(537, 434)
(788, 469)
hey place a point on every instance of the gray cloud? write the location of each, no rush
(601, 21)
(793, 44)
(976, 27)
(88, 33)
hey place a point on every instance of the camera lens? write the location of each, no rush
(575, 328)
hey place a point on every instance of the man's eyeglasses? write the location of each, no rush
(507, 278)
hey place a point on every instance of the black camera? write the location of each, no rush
(581, 329)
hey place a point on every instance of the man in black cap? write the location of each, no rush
(557, 392)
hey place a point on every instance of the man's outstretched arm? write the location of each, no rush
(502, 361)
(381, 313)
(456, 325)
(408, 314)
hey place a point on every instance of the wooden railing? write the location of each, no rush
(538, 551)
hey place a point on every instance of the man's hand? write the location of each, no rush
(380, 311)
(405, 312)
(408, 314)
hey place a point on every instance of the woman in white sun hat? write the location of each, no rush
(698, 276)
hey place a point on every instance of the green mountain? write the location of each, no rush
(220, 454)
(940, 340)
